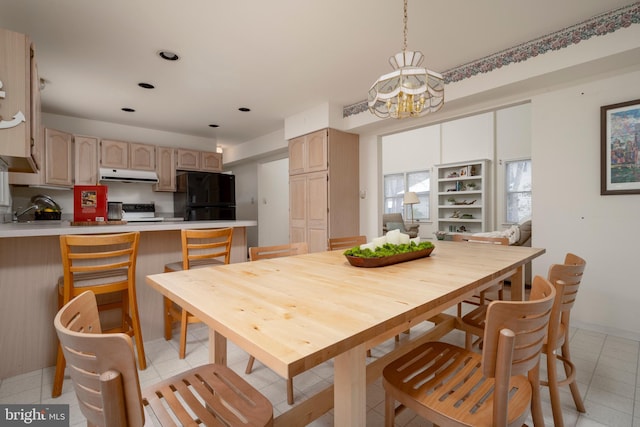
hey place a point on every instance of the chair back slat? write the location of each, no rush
(528, 320)
(94, 359)
(347, 242)
(480, 239)
(209, 246)
(277, 251)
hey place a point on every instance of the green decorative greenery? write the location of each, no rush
(388, 249)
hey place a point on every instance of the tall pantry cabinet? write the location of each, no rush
(323, 187)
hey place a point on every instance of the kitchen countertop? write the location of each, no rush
(56, 228)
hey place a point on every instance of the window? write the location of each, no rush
(518, 190)
(394, 188)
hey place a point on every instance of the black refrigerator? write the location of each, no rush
(202, 196)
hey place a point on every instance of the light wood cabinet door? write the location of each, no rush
(114, 154)
(308, 153)
(297, 208)
(166, 169)
(316, 151)
(142, 156)
(20, 104)
(211, 161)
(86, 160)
(297, 155)
(58, 148)
(188, 159)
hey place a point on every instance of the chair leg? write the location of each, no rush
(183, 334)
(573, 385)
(389, 410)
(249, 367)
(168, 319)
(135, 325)
(554, 389)
(290, 391)
(536, 400)
(59, 376)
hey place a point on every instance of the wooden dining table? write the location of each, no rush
(297, 312)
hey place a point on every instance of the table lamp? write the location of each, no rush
(411, 198)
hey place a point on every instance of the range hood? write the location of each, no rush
(128, 175)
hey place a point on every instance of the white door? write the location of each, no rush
(273, 202)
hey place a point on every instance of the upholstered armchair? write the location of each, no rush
(394, 221)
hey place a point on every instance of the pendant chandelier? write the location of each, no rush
(408, 91)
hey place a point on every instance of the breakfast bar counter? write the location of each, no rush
(30, 265)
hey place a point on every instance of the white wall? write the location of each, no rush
(570, 215)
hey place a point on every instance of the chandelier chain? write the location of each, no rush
(404, 46)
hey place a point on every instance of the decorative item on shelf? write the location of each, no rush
(409, 90)
(451, 201)
(411, 198)
(440, 235)
(471, 186)
(462, 229)
(455, 214)
(466, 216)
(452, 175)
(464, 202)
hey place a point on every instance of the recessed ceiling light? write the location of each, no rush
(128, 110)
(213, 126)
(244, 109)
(146, 85)
(168, 55)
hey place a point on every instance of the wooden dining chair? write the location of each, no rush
(200, 248)
(277, 251)
(348, 242)
(556, 347)
(257, 253)
(452, 386)
(481, 299)
(106, 265)
(107, 386)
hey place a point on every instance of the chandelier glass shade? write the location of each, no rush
(409, 90)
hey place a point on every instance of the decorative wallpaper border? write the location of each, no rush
(598, 26)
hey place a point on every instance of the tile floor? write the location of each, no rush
(607, 375)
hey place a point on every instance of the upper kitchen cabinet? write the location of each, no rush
(57, 168)
(114, 154)
(86, 160)
(194, 160)
(166, 169)
(211, 161)
(19, 102)
(127, 155)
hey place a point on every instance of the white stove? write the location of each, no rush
(140, 212)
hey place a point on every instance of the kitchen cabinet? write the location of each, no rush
(127, 155)
(463, 197)
(19, 102)
(114, 154)
(142, 156)
(188, 159)
(86, 160)
(195, 160)
(166, 169)
(308, 153)
(324, 203)
(57, 168)
(211, 161)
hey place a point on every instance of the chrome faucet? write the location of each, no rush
(18, 215)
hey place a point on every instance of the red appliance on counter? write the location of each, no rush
(90, 203)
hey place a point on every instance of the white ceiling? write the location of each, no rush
(277, 57)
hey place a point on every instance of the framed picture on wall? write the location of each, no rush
(619, 146)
